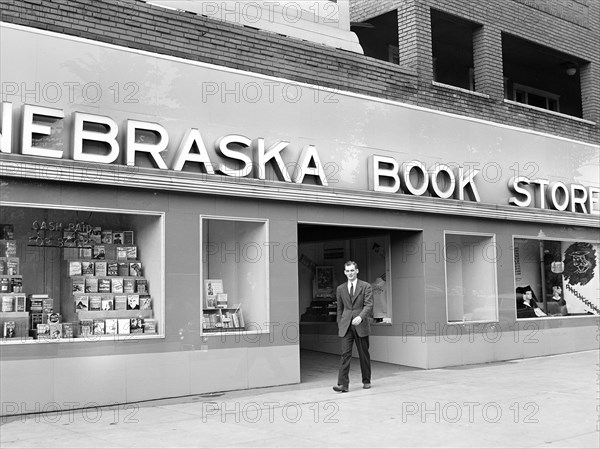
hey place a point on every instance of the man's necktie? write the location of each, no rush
(351, 290)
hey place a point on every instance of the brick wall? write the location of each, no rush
(138, 25)
(571, 27)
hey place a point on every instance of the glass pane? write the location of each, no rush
(470, 278)
(71, 274)
(556, 278)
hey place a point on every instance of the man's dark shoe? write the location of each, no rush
(340, 389)
(366, 386)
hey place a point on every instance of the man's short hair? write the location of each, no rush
(351, 262)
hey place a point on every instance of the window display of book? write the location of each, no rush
(223, 320)
(110, 294)
(14, 317)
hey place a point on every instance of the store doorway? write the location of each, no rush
(383, 256)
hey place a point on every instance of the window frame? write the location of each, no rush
(264, 326)
(492, 240)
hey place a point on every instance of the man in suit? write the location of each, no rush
(354, 307)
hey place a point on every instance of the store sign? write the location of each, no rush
(554, 195)
(388, 175)
(236, 155)
(36, 120)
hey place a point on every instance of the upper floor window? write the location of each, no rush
(452, 48)
(540, 76)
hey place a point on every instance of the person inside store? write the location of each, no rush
(556, 305)
(527, 306)
(354, 308)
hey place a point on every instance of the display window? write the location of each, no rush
(471, 283)
(321, 270)
(235, 272)
(80, 274)
(556, 278)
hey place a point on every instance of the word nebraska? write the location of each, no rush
(36, 121)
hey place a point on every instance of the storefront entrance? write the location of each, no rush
(385, 258)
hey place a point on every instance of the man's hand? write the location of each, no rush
(356, 321)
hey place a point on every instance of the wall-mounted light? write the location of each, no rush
(571, 68)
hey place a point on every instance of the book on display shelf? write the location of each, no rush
(221, 300)
(16, 284)
(123, 269)
(128, 238)
(118, 238)
(141, 286)
(8, 303)
(12, 266)
(69, 239)
(145, 302)
(99, 327)
(85, 252)
(135, 269)
(121, 253)
(120, 302)
(213, 286)
(82, 239)
(104, 285)
(10, 249)
(7, 231)
(133, 302)
(95, 302)
(86, 327)
(87, 268)
(36, 318)
(123, 325)
(107, 303)
(2, 267)
(211, 301)
(116, 285)
(236, 319)
(5, 285)
(47, 305)
(78, 284)
(75, 268)
(99, 252)
(149, 325)
(67, 330)
(112, 326)
(43, 330)
(35, 304)
(20, 303)
(136, 326)
(95, 236)
(112, 269)
(131, 252)
(9, 329)
(91, 285)
(55, 330)
(82, 302)
(101, 268)
(128, 285)
(107, 237)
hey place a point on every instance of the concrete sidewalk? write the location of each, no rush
(542, 402)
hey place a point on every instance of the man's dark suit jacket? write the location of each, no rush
(349, 308)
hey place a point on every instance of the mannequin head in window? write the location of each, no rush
(556, 292)
(529, 296)
(526, 295)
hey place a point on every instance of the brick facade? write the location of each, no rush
(138, 25)
(569, 27)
